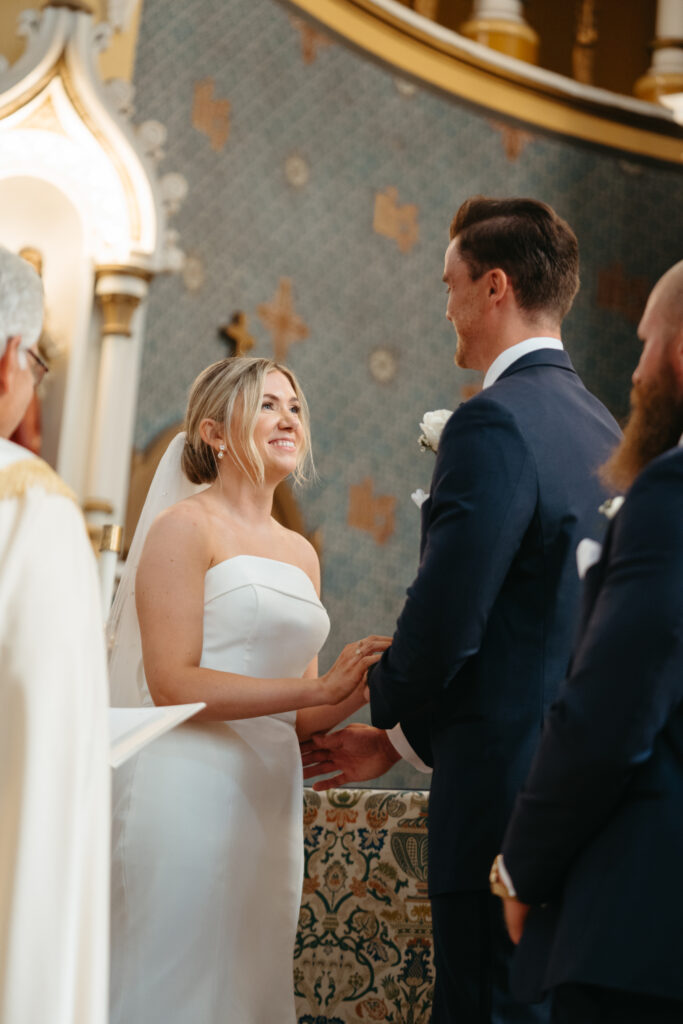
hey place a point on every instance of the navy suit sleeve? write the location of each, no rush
(483, 497)
(417, 730)
(626, 677)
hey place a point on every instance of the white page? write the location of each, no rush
(131, 729)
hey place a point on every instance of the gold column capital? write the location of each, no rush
(119, 289)
(117, 312)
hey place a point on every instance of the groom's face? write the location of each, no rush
(464, 308)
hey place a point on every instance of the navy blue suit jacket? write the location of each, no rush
(597, 832)
(487, 629)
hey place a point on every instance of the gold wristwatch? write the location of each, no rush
(496, 882)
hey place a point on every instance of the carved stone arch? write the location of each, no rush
(79, 183)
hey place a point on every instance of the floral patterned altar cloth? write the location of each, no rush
(364, 942)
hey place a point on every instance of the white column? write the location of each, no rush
(669, 26)
(120, 291)
(663, 81)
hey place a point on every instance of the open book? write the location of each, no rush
(131, 729)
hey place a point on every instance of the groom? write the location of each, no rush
(486, 631)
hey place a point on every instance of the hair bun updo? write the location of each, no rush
(199, 466)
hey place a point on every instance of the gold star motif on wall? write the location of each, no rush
(515, 140)
(396, 222)
(279, 317)
(374, 513)
(311, 39)
(210, 116)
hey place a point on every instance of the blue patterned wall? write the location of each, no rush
(284, 183)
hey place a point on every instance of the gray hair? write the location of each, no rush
(21, 301)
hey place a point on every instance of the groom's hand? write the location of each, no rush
(356, 753)
(515, 918)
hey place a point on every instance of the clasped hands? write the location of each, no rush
(350, 670)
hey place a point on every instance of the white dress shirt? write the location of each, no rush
(499, 365)
(510, 355)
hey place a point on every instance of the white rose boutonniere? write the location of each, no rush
(431, 427)
(610, 507)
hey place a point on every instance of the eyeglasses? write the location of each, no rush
(38, 367)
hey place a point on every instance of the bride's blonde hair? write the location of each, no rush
(214, 395)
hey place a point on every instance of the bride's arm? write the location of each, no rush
(325, 717)
(170, 603)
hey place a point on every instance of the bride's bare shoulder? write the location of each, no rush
(180, 530)
(303, 554)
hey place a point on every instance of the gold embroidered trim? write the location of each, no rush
(18, 477)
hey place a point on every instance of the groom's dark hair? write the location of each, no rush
(529, 241)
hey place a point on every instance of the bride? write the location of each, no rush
(207, 856)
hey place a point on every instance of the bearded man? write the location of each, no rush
(54, 773)
(595, 843)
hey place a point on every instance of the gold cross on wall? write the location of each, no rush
(285, 326)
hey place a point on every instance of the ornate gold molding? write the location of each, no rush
(416, 47)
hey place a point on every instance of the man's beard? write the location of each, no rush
(655, 424)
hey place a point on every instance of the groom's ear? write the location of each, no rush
(211, 432)
(498, 283)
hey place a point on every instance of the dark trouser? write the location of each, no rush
(590, 1004)
(472, 953)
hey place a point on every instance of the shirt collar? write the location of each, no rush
(510, 355)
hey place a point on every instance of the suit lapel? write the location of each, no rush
(594, 579)
(424, 519)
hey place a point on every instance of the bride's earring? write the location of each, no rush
(221, 451)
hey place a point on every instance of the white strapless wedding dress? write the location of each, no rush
(207, 856)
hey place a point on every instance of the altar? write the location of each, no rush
(364, 942)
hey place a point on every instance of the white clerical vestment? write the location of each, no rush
(54, 775)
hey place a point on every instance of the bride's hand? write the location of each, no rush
(350, 668)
